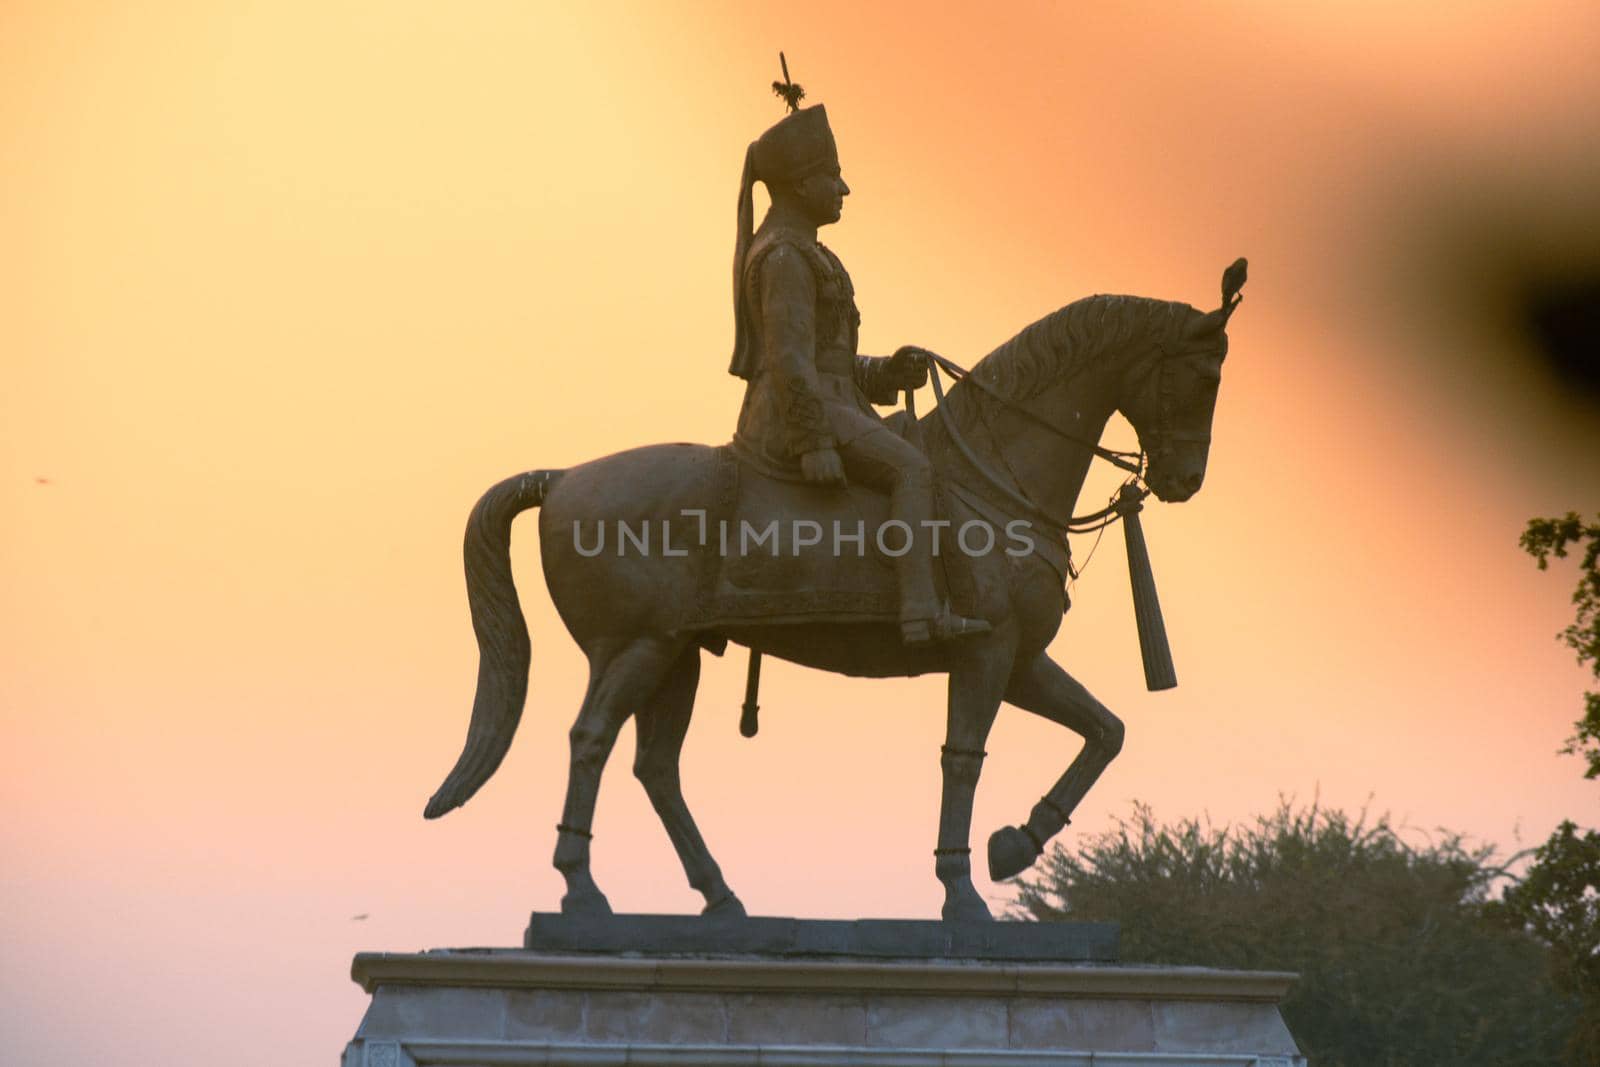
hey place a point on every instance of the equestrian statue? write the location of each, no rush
(831, 537)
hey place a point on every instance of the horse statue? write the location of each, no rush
(1014, 439)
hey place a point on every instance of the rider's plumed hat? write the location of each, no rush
(797, 146)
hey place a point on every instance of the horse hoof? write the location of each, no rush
(592, 904)
(727, 907)
(1010, 853)
(965, 908)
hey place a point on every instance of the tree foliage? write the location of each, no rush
(1558, 899)
(1543, 539)
(1403, 957)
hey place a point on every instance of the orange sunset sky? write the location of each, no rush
(285, 286)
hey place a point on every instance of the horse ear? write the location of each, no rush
(1233, 280)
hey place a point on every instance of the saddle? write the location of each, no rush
(785, 551)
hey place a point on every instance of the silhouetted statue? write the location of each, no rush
(948, 548)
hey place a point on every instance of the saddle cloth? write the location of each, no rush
(787, 552)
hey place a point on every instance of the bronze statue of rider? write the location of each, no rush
(807, 399)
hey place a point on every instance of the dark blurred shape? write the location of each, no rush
(1562, 317)
(1496, 266)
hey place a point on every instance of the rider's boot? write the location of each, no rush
(922, 617)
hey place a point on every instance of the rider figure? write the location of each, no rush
(796, 332)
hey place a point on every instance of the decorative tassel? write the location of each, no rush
(1158, 670)
(744, 359)
(748, 723)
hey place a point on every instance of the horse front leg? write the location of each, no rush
(1042, 687)
(977, 683)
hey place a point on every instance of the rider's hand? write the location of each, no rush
(909, 366)
(822, 467)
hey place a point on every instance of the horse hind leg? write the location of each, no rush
(618, 685)
(1042, 687)
(662, 725)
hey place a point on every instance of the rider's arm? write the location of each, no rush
(788, 311)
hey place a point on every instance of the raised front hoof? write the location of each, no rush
(1010, 853)
(965, 906)
(727, 907)
(589, 904)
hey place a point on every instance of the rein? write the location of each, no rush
(1133, 462)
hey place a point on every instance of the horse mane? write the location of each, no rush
(1066, 340)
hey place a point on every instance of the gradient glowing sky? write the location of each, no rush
(287, 285)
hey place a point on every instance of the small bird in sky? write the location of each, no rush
(359, 918)
(41, 481)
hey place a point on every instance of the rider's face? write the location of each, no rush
(822, 196)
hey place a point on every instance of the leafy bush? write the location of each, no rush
(1404, 959)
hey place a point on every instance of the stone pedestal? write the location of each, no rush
(783, 1003)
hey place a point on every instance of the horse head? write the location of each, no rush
(1171, 396)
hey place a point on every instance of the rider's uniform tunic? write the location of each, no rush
(799, 401)
(810, 390)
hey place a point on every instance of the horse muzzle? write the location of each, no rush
(1175, 488)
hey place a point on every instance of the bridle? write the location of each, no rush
(1137, 464)
(1166, 403)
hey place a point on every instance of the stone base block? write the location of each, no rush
(503, 1007)
(904, 939)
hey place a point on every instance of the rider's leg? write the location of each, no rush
(890, 464)
(887, 463)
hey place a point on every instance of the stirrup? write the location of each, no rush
(945, 626)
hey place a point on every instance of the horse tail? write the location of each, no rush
(503, 647)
